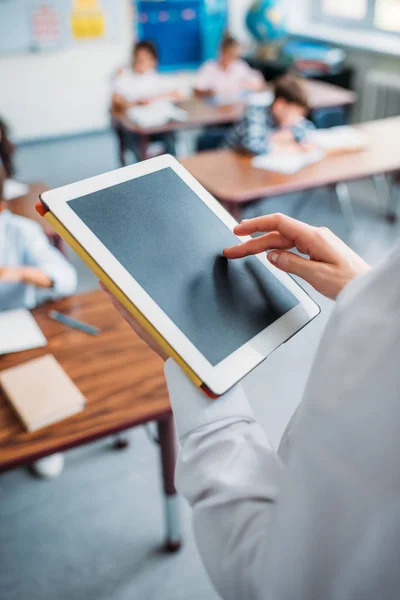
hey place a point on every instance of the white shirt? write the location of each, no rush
(24, 243)
(212, 77)
(135, 86)
(320, 520)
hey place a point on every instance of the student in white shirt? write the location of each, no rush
(31, 272)
(225, 79)
(320, 519)
(140, 85)
(228, 76)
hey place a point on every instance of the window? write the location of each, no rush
(383, 15)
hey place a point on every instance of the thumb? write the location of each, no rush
(294, 264)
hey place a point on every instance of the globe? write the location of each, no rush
(266, 21)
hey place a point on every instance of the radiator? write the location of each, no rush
(380, 95)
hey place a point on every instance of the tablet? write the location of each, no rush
(156, 236)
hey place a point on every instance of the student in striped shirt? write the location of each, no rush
(282, 122)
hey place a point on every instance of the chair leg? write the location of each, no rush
(343, 197)
(120, 442)
(386, 197)
(171, 500)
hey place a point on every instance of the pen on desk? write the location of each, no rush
(74, 323)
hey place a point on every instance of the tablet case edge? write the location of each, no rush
(118, 293)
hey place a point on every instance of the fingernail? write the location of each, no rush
(273, 257)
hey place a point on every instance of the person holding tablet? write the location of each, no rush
(320, 518)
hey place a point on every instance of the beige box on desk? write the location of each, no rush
(41, 393)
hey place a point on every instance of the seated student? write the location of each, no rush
(31, 272)
(282, 122)
(140, 85)
(227, 79)
(229, 75)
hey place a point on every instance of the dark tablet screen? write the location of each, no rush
(171, 243)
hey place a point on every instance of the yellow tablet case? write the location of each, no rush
(119, 294)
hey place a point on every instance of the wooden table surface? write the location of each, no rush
(231, 178)
(202, 113)
(120, 377)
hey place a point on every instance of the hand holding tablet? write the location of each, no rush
(155, 237)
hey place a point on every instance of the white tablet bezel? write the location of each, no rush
(218, 378)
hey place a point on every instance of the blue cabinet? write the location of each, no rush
(187, 32)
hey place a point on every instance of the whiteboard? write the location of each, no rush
(44, 25)
(15, 31)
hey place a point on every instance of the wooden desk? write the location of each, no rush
(204, 114)
(232, 179)
(123, 383)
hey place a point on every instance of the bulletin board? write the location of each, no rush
(45, 25)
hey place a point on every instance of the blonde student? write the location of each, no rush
(229, 75)
(140, 85)
(226, 79)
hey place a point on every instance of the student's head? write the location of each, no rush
(145, 57)
(290, 103)
(7, 150)
(229, 51)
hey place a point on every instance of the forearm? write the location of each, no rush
(230, 475)
(35, 276)
(204, 93)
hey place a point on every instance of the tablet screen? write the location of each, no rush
(168, 239)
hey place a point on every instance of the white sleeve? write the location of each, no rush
(323, 524)
(230, 475)
(252, 75)
(40, 253)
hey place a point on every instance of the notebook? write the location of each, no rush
(287, 164)
(41, 393)
(19, 331)
(156, 114)
(337, 139)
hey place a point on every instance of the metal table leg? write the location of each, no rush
(386, 197)
(144, 141)
(171, 499)
(343, 196)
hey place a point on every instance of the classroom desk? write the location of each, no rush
(122, 380)
(204, 114)
(232, 179)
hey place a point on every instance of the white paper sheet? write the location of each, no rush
(287, 163)
(14, 189)
(19, 331)
(338, 138)
(156, 114)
